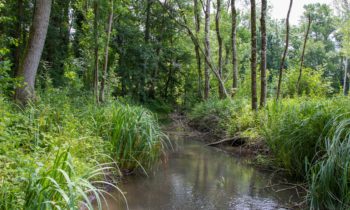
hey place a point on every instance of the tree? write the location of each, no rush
(96, 49)
(282, 65)
(37, 35)
(234, 45)
(207, 49)
(303, 53)
(263, 54)
(105, 65)
(197, 18)
(253, 58)
(220, 46)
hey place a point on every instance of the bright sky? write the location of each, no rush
(280, 8)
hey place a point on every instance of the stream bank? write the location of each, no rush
(195, 176)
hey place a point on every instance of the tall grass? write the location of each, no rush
(295, 130)
(330, 177)
(60, 187)
(135, 136)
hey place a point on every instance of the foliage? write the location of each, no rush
(212, 115)
(312, 83)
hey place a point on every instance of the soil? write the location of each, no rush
(236, 146)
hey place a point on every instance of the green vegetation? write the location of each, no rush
(56, 152)
(308, 137)
(70, 70)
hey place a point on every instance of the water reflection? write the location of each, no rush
(199, 177)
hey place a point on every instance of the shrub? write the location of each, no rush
(312, 83)
(212, 115)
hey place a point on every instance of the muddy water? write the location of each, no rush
(200, 177)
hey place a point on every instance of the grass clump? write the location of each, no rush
(329, 178)
(135, 136)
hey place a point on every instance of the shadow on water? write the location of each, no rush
(199, 177)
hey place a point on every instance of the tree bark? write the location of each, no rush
(29, 67)
(207, 49)
(253, 56)
(105, 66)
(220, 41)
(96, 49)
(198, 56)
(234, 45)
(263, 54)
(284, 53)
(303, 54)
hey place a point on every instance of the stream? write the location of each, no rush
(196, 176)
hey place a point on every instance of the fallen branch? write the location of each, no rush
(233, 140)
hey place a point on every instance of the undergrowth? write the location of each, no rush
(57, 153)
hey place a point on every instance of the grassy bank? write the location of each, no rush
(308, 137)
(57, 152)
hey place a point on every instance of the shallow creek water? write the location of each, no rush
(196, 176)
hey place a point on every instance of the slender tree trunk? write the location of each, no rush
(19, 37)
(263, 54)
(105, 66)
(253, 56)
(207, 49)
(96, 79)
(29, 67)
(142, 85)
(282, 66)
(234, 45)
(345, 88)
(220, 41)
(196, 48)
(303, 54)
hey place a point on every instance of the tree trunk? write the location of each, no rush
(19, 37)
(220, 41)
(303, 54)
(253, 56)
(196, 48)
(207, 49)
(263, 54)
(105, 66)
(284, 53)
(96, 80)
(234, 46)
(29, 67)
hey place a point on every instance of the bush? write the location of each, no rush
(312, 83)
(212, 115)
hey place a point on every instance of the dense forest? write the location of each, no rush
(83, 83)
